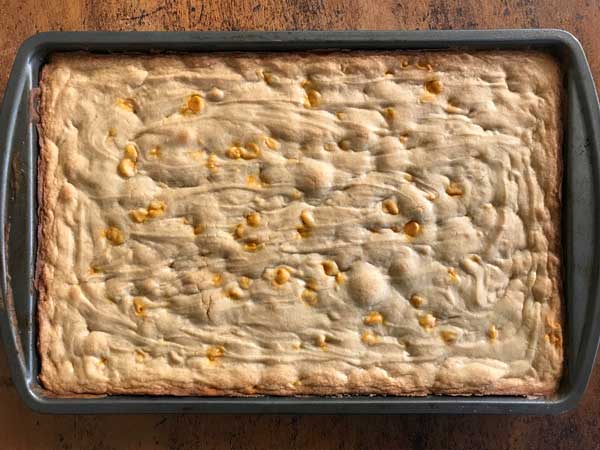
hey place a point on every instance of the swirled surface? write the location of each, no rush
(300, 224)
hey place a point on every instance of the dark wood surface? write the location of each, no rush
(22, 429)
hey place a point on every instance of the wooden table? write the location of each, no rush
(22, 429)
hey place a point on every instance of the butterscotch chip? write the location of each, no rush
(340, 278)
(245, 282)
(234, 152)
(234, 293)
(217, 279)
(126, 168)
(434, 86)
(369, 338)
(114, 236)
(417, 301)
(390, 206)
(427, 321)
(454, 189)
(389, 113)
(239, 231)
(314, 98)
(271, 143)
(131, 152)
(448, 336)
(127, 104)
(330, 268)
(138, 215)
(253, 219)
(251, 246)
(195, 103)
(213, 353)
(253, 181)
(453, 275)
(282, 275)
(251, 151)
(345, 144)
(138, 306)
(307, 218)
(412, 228)
(492, 332)
(156, 208)
(373, 318)
(310, 297)
(154, 152)
(321, 341)
(211, 162)
(199, 229)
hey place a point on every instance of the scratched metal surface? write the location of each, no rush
(22, 429)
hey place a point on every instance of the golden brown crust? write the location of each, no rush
(523, 92)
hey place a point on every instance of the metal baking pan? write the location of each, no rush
(581, 216)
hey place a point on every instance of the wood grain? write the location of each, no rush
(22, 429)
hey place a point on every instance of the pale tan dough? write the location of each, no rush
(406, 241)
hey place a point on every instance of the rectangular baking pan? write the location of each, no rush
(580, 215)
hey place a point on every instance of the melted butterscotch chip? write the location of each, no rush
(156, 208)
(454, 189)
(390, 206)
(448, 336)
(330, 268)
(198, 229)
(251, 151)
(389, 113)
(138, 215)
(127, 168)
(345, 144)
(492, 332)
(321, 341)
(412, 228)
(234, 152)
(314, 98)
(234, 293)
(427, 321)
(253, 219)
(307, 218)
(271, 143)
(253, 181)
(131, 152)
(211, 163)
(453, 275)
(340, 278)
(239, 231)
(417, 301)
(282, 276)
(139, 307)
(369, 338)
(373, 318)
(154, 152)
(310, 297)
(114, 235)
(217, 279)
(251, 246)
(127, 104)
(245, 282)
(434, 86)
(195, 104)
(213, 353)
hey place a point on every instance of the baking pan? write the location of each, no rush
(580, 215)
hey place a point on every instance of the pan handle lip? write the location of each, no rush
(16, 89)
(588, 96)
